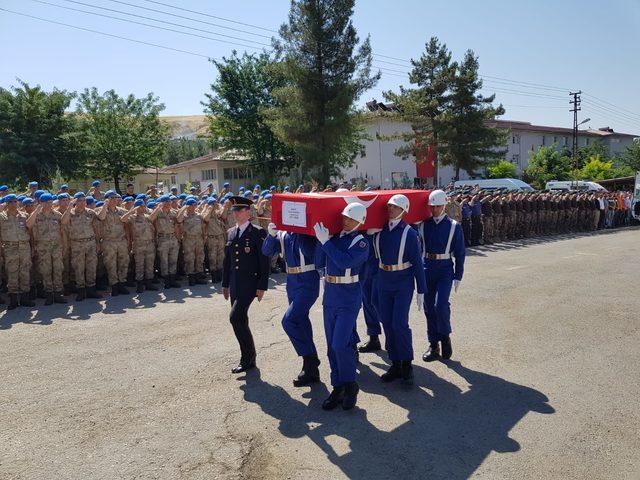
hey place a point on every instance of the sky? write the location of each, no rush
(531, 54)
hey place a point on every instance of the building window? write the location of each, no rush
(515, 158)
(227, 173)
(544, 140)
(173, 179)
(555, 139)
(515, 139)
(210, 174)
(588, 141)
(565, 140)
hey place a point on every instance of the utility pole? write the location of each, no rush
(576, 108)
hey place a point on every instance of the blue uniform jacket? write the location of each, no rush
(466, 210)
(294, 243)
(476, 208)
(389, 249)
(435, 238)
(343, 256)
(371, 265)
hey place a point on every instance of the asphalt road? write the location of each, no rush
(544, 383)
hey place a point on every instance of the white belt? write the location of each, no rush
(301, 269)
(437, 256)
(395, 268)
(343, 280)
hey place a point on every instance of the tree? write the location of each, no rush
(423, 106)
(502, 169)
(37, 139)
(468, 141)
(121, 135)
(547, 164)
(181, 149)
(446, 110)
(597, 168)
(235, 110)
(596, 149)
(631, 157)
(326, 72)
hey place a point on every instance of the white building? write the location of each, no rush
(381, 167)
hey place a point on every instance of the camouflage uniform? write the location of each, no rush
(48, 237)
(168, 246)
(17, 251)
(215, 231)
(193, 243)
(115, 246)
(82, 239)
(144, 248)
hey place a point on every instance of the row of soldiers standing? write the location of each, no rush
(494, 216)
(55, 244)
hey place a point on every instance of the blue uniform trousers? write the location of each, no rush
(370, 304)
(394, 308)
(436, 301)
(339, 327)
(296, 322)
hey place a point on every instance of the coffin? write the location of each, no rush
(299, 212)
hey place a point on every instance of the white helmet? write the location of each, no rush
(400, 201)
(355, 211)
(340, 190)
(437, 197)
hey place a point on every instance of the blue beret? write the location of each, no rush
(151, 204)
(4, 188)
(138, 203)
(63, 195)
(192, 189)
(117, 195)
(241, 189)
(163, 199)
(46, 197)
(211, 201)
(96, 183)
(286, 187)
(141, 196)
(64, 186)
(191, 201)
(99, 204)
(226, 184)
(10, 198)
(256, 197)
(37, 193)
(1, 200)
(300, 186)
(247, 194)
(90, 200)
(33, 184)
(109, 194)
(268, 196)
(128, 199)
(173, 198)
(79, 195)
(174, 188)
(53, 197)
(182, 196)
(22, 197)
(27, 201)
(257, 187)
(264, 192)
(272, 187)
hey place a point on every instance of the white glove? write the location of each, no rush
(322, 233)
(373, 231)
(271, 228)
(420, 301)
(456, 284)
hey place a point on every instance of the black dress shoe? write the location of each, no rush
(243, 367)
(351, 390)
(373, 345)
(309, 373)
(334, 399)
(406, 372)
(447, 350)
(433, 353)
(391, 374)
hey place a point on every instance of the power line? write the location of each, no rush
(155, 26)
(109, 34)
(609, 103)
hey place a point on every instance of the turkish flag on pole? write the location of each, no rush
(426, 161)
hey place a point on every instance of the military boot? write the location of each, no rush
(334, 399)
(433, 353)
(192, 280)
(148, 284)
(13, 301)
(122, 289)
(199, 278)
(139, 286)
(351, 390)
(447, 349)
(406, 372)
(309, 373)
(174, 282)
(25, 300)
(48, 299)
(392, 374)
(373, 345)
(115, 291)
(92, 293)
(59, 298)
(81, 295)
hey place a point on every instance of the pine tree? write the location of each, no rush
(326, 72)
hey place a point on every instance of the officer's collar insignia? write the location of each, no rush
(362, 244)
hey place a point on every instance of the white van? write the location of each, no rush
(574, 185)
(508, 183)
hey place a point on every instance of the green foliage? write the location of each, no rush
(235, 109)
(548, 164)
(37, 139)
(325, 72)
(596, 149)
(631, 157)
(502, 169)
(446, 109)
(121, 135)
(596, 168)
(181, 149)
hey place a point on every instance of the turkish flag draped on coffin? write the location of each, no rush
(299, 212)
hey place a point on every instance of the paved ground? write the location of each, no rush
(544, 383)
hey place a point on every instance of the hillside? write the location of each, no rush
(189, 126)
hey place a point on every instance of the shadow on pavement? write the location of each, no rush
(447, 435)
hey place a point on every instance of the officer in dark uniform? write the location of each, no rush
(245, 275)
